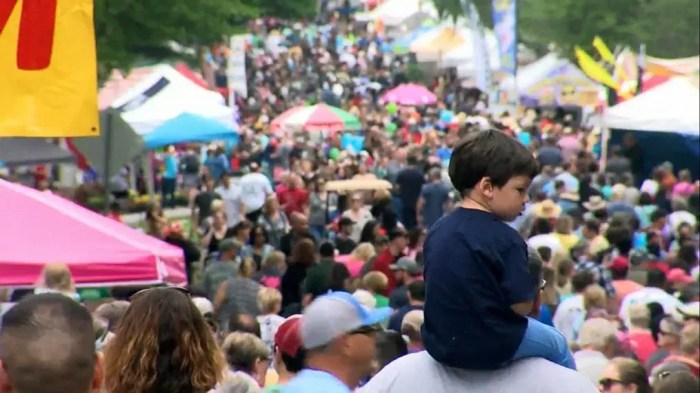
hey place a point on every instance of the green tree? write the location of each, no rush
(130, 32)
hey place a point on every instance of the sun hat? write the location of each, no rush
(595, 203)
(546, 209)
(335, 314)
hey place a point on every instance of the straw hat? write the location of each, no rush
(595, 203)
(546, 209)
(570, 196)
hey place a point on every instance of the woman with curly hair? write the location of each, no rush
(162, 345)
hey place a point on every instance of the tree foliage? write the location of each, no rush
(668, 28)
(129, 32)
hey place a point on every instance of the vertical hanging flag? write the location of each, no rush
(481, 55)
(594, 70)
(48, 71)
(505, 27)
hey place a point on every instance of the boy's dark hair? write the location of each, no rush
(545, 253)
(326, 250)
(491, 154)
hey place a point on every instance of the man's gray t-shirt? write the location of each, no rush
(419, 373)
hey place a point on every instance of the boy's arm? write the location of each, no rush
(517, 283)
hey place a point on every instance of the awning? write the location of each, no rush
(32, 151)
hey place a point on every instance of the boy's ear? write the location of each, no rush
(485, 186)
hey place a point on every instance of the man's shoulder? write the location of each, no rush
(420, 370)
(479, 226)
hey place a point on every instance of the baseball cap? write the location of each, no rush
(288, 336)
(203, 305)
(229, 245)
(620, 263)
(689, 310)
(334, 314)
(407, 265)
(676, 275)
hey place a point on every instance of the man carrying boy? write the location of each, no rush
(478, 289)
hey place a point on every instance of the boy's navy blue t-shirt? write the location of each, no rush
(475, 269)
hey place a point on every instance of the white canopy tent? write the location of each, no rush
(532, 73)
(462, 57)
(164, 95)
(396, 12)
(671, 107)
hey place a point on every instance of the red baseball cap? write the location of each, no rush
(678, 275)
(288, 336)
(620, 263)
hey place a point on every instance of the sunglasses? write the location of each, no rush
(140, 293)
(607, 383)
(366, 330)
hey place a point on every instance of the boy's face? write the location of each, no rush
(508, 202)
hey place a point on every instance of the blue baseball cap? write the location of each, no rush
(334, 314)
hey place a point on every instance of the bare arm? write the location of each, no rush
(220, 297)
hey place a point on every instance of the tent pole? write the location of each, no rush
(107, 169)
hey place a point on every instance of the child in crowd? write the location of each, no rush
(478, 287)
(270, 303)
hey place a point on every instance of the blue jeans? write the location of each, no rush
(545, 342)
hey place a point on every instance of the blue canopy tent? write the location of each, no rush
(187, 128)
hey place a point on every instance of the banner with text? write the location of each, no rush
(48, 71)
(505, 27)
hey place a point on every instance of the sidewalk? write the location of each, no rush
(135, 218)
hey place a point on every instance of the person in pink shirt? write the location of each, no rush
(623, 286)
(640, 336)
(685, 187)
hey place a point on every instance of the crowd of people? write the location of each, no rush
(506, 257)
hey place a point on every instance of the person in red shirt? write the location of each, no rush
(398, 241)
(639, 334)
(294, 198)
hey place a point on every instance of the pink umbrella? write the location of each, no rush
(409, 94)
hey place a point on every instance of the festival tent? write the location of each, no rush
(40, 227)
(164, 95)
(118, 85)
(462, 57)
(31, 151)
(672, 67)
(546, 78)
(668, 116)
(435, 44)
(397, 12)
(189, 128)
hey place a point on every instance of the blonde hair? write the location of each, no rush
(364, 252)
(273, 259)
(594, 296)
(247, 268)
(57, 276)
(269, 202)
(243, 349)
(375, 282)
(564, 225)
(639, 315)
(217, 205)
(269, 300)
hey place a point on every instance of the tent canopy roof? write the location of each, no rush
(32, 151)
(670, 107)
(40, 228)
(189, 128)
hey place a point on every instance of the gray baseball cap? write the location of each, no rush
(334, 314)
(407, 265)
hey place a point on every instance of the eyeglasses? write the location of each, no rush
(607, 383)
(366, 330)
(543, 283)
(182, 290)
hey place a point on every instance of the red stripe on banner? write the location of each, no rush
(36, 32)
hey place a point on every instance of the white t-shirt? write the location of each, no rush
(255, 187)
(419, 373)
(647, 295)
(268, 328)
(675, 219)
(566, 318)
(232, 202)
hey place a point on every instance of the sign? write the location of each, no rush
(48, 71)
(505, 27)
(237, 80)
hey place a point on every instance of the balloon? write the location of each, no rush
(333, 153)
(446, 116)
(391, 128)
(392, 108)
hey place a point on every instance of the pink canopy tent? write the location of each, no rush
(39, 227)
(409, 94)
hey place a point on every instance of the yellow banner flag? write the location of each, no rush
(48, 71)
(594, 70)
(603, 50)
